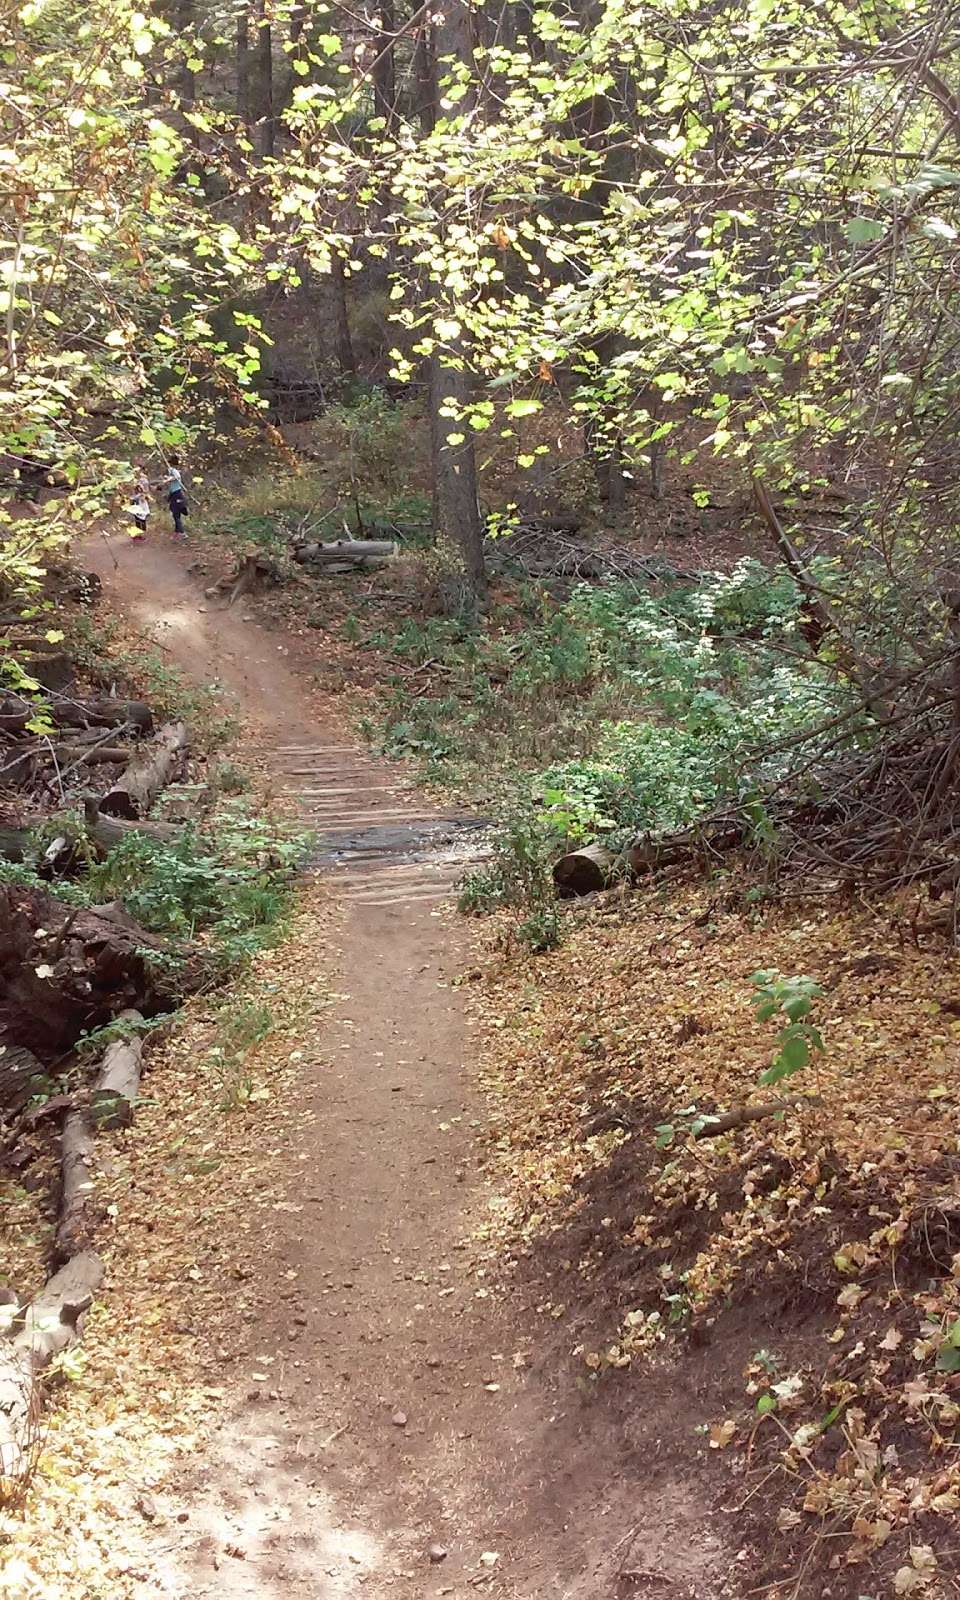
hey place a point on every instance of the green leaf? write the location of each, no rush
(863, 230)
(766, 1404)
(795, 1053)
(523, 408)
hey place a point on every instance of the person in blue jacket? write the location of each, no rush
(172, 485)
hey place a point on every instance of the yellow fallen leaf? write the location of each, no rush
(721, 1433)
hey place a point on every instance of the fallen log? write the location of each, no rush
(52, 669)
(16, 711)
(50, 1325)
(150, 771)
(594, 866)
(348, 553)
(113, 755)
(15, 843)
(110, 831)
(18, 845)
(79, 1213)
(21, 1077)
(587, 870)
(118, 1081)
(18, 762)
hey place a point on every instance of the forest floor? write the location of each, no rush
(322, 1387)
(431, 1290)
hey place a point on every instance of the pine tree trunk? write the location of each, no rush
(456, 473)
(384, 71)
(243, 66)
(424, 64)
(346, 359)
(265, 80)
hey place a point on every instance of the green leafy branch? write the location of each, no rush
(798, 1040)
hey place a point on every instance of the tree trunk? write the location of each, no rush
(244, 112)
(454, 48)
(424, 65)
(150, 771)
(265, 80)
(351, 552)
(16, 711)
(456, 471)
(616, 486)
(110, 831)
(77, 973)
(384, 72)
(346, 359)
(436, 440)
(587, 870)
(186, 77)
(21, 1077)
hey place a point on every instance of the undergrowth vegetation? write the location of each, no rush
(356, 474)
(106, 655)
(613, 713)
(226, 886)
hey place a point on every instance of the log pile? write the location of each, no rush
(66, 971)
(49, 1324)
(550, 549)
(96, 960)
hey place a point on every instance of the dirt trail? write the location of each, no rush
(386, 1398)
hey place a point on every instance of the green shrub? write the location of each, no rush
(230, 887)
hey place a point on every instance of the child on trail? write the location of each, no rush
(139, 508)
(172, 483)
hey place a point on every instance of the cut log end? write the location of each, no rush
(585, 871)
(151, 769)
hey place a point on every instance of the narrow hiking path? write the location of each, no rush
(391, 1427)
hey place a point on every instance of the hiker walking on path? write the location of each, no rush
(172, 484)
(139, 508)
